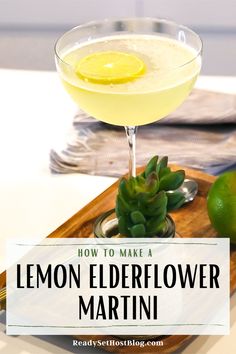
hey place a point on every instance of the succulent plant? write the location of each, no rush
(143, 202)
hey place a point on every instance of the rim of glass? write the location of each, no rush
(100, 22)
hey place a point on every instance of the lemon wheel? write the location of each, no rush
(110, 67)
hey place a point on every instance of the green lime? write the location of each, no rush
(221, 205)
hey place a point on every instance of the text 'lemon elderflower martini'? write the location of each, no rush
(138, 73)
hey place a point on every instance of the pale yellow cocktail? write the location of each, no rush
(170, 69)
(128, 72)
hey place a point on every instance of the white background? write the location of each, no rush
(29, 28)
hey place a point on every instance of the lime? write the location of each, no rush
(221, 205)
(110, 67)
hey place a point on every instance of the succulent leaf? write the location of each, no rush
(164, 171)
(122, 225)
(172, 180)
(138, 230)
(149, 212)
(152, 183)
(124, 189)
(151, 166)
(160, 199)
(139, 184)
(175, 200)
(162, 164)
(154, 222)
(137, 217)
(123, 206)
(158, 229)
(157, 211)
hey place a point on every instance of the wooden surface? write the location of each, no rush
(191, 221)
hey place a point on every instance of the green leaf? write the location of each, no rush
(151, 166)
(164, 171)
(172, 181)
(160, 199)
(122, 205)
(175, 200)
(153, 224)
(143, 197)
(139, 183)
(137, 217)
(161, 164)
(152, 184)
(122, 226)
(159, 229)
(158, 211)
(138, 230)
(124, 189)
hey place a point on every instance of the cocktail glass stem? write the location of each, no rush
(131, 137)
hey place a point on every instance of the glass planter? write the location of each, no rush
(106, 225)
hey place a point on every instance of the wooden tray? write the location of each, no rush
(191, 221)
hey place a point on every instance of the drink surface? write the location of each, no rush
(171, 69)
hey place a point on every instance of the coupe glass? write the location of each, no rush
(168, 88)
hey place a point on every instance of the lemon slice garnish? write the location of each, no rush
(110, 67)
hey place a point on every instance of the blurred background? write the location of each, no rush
(29, 28)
